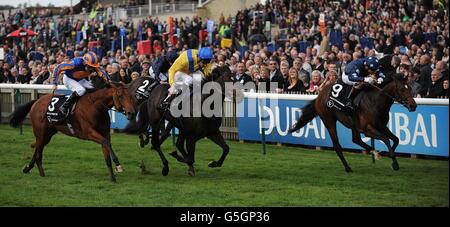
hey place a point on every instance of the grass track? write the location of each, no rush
(287, 176)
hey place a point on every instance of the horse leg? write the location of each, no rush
(106, 149)
(387, 133)
(180, 145)
(190, 146)
(115, 159)
(156, 145)
(331, 126)
(27, 168)
(41, 141)
(218, 139)
(356, 138)
(40, 149)
(166, 133)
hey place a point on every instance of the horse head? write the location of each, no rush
(398, 88)
(124, 101)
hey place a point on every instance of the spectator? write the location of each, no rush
(241, 76)
(445, 93)
(284, 69)
(436, 89)
(145, 67)
(275, 76)
(425, 74)
(264, 80)
(295, 84)
(134, 75)
(330, 78)
(411, 79)
(114, 72)
(25, 77)
(316, 80)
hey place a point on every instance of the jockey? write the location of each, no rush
(75, 73)
(160, 68)
(362, 70)
(188, 62)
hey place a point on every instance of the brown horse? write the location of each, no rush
(90, 121)
(370, 118)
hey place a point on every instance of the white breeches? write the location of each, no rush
(77, 86)
(182, 78)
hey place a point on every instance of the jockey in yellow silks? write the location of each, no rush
(188, 62)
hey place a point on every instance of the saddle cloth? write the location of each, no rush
(338, 97)
(53, 113)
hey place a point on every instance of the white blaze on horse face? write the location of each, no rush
(406, 86)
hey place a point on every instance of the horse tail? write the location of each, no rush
(308, 113)
(139, 125)
(18, 116)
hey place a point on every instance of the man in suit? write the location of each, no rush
(240, 76)
(425, 74)
(275, 75)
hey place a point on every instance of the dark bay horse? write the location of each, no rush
(191, 129)
(90, 121)
(139, 86)
(370, 118)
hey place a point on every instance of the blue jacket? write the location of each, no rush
(75, 69)
(161, 68)
(356, 72)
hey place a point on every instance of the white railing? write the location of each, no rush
(419, 101)
(157, 9)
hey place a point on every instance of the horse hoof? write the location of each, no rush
(113, 179)
(165, 171)
(395, 166)
(376, 155)
(348, 170)
(191, 171)
(26, 169)
(213, 164)
(119, 169)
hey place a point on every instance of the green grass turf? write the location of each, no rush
(76, 175)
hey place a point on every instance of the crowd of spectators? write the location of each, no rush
(300, 54)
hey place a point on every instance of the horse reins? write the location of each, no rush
(89, 97)
(381, 90)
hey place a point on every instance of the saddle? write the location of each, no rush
(53, 114)
(339, 94)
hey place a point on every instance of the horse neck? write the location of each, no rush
(384, 101)
(102, 97)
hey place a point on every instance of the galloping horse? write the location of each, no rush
(370, 118)
(90, 121)
(138, 87)
(191, 129)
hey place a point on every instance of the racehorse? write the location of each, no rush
(191, 129)
(370, 118)
(90, 121)
(141, 89)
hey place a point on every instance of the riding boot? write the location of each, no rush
(350, 98)
(65, 107)
(166, 102)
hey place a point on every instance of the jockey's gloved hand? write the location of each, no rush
(369, 80)
(380, 80)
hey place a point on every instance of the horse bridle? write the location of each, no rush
(401, 101)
